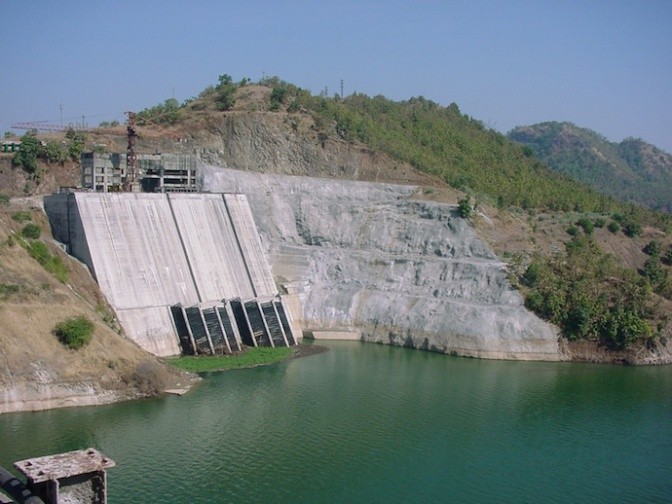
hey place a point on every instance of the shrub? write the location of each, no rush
(464, 208)
(21, 216)
(632, 229)
(572, 231)
(278, 96)
(652, 248)
(600, 223)
(586, 224)
(668, 256)
(28, 153)
(614, 227)
(4, 199)
(75, 332)
(31, 231)
(652, 270)
(149, 378)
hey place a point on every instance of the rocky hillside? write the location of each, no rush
(371, 259)
(632, 170)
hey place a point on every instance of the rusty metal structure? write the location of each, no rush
(130, 184)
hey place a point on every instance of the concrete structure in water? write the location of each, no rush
(157, 256)
(73, 477)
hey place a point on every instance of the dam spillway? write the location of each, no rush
(151, 253)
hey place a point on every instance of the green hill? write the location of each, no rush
(632, 171)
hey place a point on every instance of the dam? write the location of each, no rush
(184, 272)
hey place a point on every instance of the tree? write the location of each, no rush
(55, 152)
(226, 90)
(75, 144)
(28, 153)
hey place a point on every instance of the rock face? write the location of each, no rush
(364, 258)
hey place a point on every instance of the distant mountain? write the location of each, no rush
(633, 170)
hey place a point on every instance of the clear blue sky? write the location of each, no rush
(602, 64)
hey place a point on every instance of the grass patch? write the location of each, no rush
(22, 216)
(52, 263)
(7, 289)
(252, 357)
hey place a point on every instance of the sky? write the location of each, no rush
(604, 65)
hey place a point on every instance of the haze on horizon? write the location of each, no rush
(603, 65)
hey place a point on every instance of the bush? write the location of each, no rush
(586, 224)
(600, 223)
(572, 230)
(652, 271)
(75, 332)
(632, 229)
(652, 248)
(464, 208)
(278, 96)
(31, 231)
(614, 227)
(149, 378)
(21, 216)
(4, 199)
(668, 256)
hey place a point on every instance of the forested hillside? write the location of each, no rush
(632, 171)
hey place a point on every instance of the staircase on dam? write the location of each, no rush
(185, 273)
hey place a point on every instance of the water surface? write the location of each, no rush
(372, 423)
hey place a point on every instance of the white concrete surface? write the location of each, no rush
(151, 251)
(250, 245)
(212, 249)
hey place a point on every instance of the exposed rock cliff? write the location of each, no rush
(366, 258)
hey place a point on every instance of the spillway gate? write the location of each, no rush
(226, 327)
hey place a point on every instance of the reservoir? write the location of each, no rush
(372, 423)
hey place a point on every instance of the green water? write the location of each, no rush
(370, 423)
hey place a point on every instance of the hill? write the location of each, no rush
(632, 171)
(528, 213)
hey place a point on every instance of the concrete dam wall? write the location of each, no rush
(367, 262)
(150, 252)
